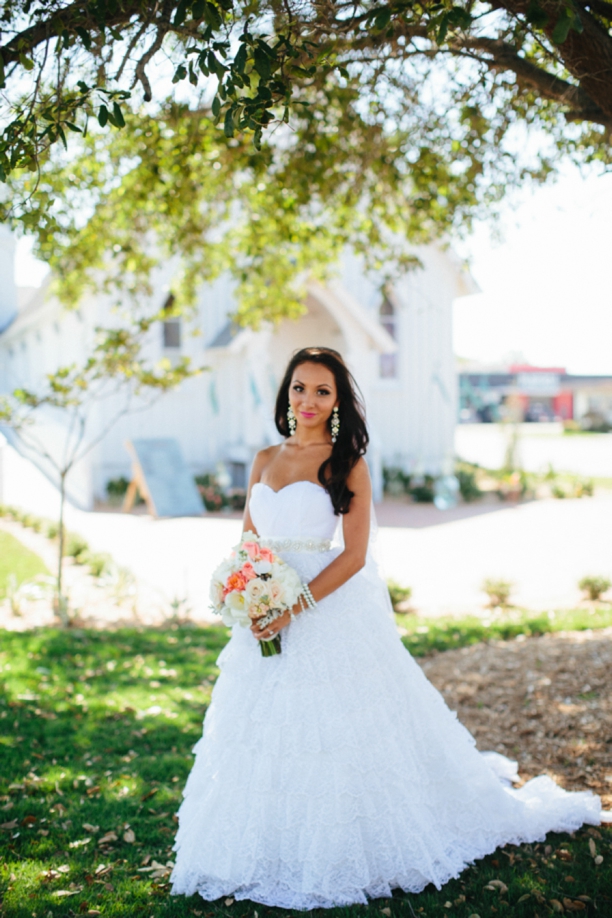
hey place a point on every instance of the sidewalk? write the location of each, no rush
(544, 547)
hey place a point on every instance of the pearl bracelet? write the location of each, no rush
(310, 600)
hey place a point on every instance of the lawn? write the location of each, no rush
(96, 746)
(18, 560)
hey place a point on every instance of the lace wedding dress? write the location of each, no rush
(335, 772)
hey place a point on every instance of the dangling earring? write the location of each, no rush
(291, 420)
(335, 424)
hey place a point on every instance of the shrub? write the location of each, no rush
(76, 547)
(498, 591)
(52, 530)
(594, 586)
(116, 487)
(423, 493)
(237, 499)
(400, 596)
(583, 487)
(468, 487)
(99, 564)
(395, 480)
(213, 497)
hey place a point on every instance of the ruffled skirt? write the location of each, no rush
(335, 772)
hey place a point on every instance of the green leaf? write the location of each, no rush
(102, 116)
(536, 15)
(26, 62)
(61, 133)
(120, 121)
(382, 19)
(228, 124)
(84, 36)
(561, 29)
(216, 107)
(213, 16)
(179, 74)
(73, 127)
(197, 10)
(181, 12)
(262, 64)
(241, 59)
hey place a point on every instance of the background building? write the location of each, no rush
(398, 345)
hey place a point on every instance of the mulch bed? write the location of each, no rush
(544, 701)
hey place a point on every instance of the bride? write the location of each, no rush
(334, 772)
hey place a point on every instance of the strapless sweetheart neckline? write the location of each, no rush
(290, 485)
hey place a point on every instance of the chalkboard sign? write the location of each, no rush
(163, 479)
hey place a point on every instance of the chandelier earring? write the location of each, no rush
(335, 424)
(291, 421)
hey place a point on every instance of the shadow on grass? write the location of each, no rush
(95, 749)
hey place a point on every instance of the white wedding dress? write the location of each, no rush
(335, 772)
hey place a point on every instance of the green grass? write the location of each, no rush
(424, 636)
(77, 747)
(16, 559)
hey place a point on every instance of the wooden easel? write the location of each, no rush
(136, 486)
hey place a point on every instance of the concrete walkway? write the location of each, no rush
(544, 546)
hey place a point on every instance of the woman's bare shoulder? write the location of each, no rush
(264, 457)
(359, 476)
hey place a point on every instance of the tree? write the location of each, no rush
(366, 123)
(117, 371)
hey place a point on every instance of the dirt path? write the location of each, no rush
(545, 701)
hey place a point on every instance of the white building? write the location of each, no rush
(399, 348)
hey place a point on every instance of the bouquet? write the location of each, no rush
(254, 585)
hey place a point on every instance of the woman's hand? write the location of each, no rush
(270, 631)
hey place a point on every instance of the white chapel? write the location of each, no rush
(398, 346)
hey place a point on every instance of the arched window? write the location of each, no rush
(171, 327)
(388, 320)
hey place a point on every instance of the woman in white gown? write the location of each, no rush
(334, 772)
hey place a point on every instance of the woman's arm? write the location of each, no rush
(356, 530)
(259, 463)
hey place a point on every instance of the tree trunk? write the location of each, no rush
(62, 605)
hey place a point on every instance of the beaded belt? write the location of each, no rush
(288, 544)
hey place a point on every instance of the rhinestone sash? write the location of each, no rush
(289, 544)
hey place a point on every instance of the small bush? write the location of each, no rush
(594, 587)
(468, 487)
(76, 547)
(395, 481)
(237, 499)
(400, 596)
(423, 493)
(116, 487)
(52, 530)
(498, 591)
(99, 564)
(213, 497)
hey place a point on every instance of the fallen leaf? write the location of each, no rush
(592, 848)
(563, 854)
(89, 828)
(448, 905)
(145, 860)
(497, 884)
(28, 820)
(574, 905)
(9, 825)
(93, 790)
(598, 860)
(385, 911)
(43, 832)
(67, 892)
(129, 836)
(524, 898)
(146, 796)
(556, 905)
(107, 838)
(79, 843)
(229, 902)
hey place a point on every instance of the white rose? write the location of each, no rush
(254, 590)
(262, 567)
(216, 593)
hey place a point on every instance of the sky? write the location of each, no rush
(546, 284)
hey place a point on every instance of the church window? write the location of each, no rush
(388, 320)
(171, 326)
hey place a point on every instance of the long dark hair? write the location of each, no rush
(352, 440)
